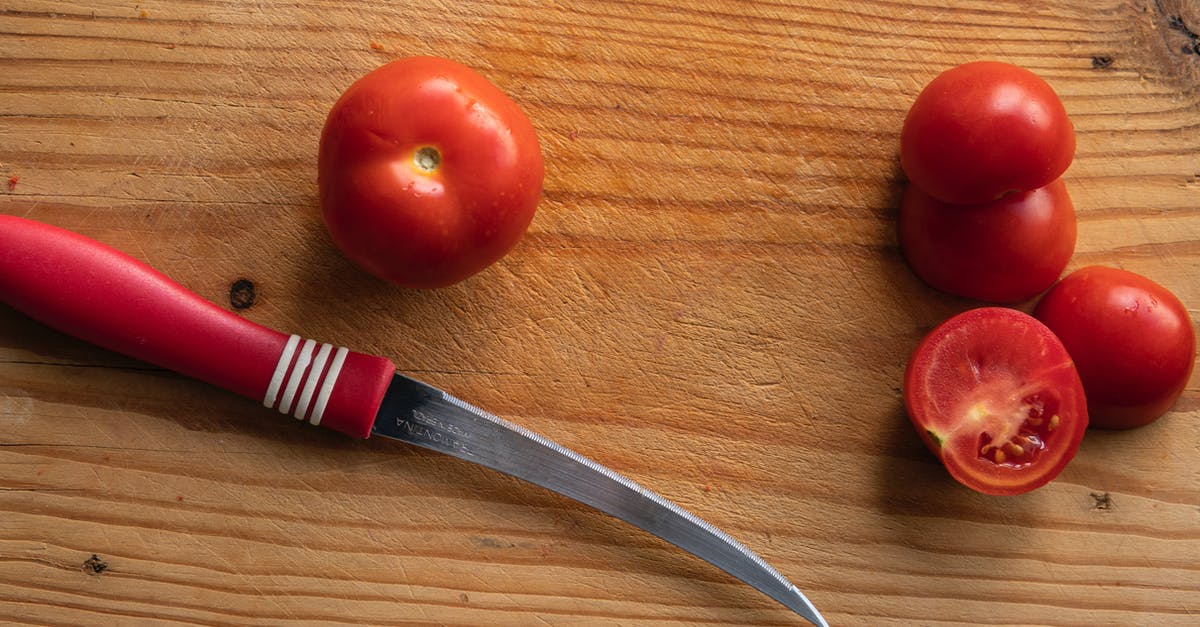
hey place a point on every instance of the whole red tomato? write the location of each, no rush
(984, 129)
(1003, 251)
(427, 172)
(1131, 338)
(993, 393)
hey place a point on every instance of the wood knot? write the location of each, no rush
(1102, 501)
(94, 565)
(242, 294)
(1192, 46)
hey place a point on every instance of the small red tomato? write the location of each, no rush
(984, 129)
(994, 395)
(1003, 251)
(1131, 338)
(427, 172)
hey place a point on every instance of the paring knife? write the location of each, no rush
(98, 294)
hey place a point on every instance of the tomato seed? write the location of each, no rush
(1053, 423)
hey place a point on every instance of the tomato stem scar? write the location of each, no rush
(427, 159)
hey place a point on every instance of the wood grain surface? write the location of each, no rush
(711, 300)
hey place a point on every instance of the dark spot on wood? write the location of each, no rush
(1102, 62)
(94, 565)
(493, 543)
(464, 598)
(1175, 22)
(1102, 501)
(242, 294)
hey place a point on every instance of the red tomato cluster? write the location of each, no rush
(1002, 397)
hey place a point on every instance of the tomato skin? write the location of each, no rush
(994, 394)
(1003, 251)
(1131, 338)
(415, 220)
(983, 129)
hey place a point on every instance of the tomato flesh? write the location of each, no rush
(994, 394)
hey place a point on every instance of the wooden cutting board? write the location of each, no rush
(711, 300)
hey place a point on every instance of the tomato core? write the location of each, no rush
(427, 159)
(1015, 435)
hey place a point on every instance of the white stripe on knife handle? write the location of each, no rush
(298, 370)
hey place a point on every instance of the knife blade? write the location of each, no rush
(101, 295)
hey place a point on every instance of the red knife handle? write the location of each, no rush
(101, 295)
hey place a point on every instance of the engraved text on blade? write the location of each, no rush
(422, 426)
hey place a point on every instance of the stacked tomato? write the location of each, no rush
(1002, 397)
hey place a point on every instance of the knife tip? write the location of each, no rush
(802, 606)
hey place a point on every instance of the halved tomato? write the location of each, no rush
(996, 397)
(1004, 251)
